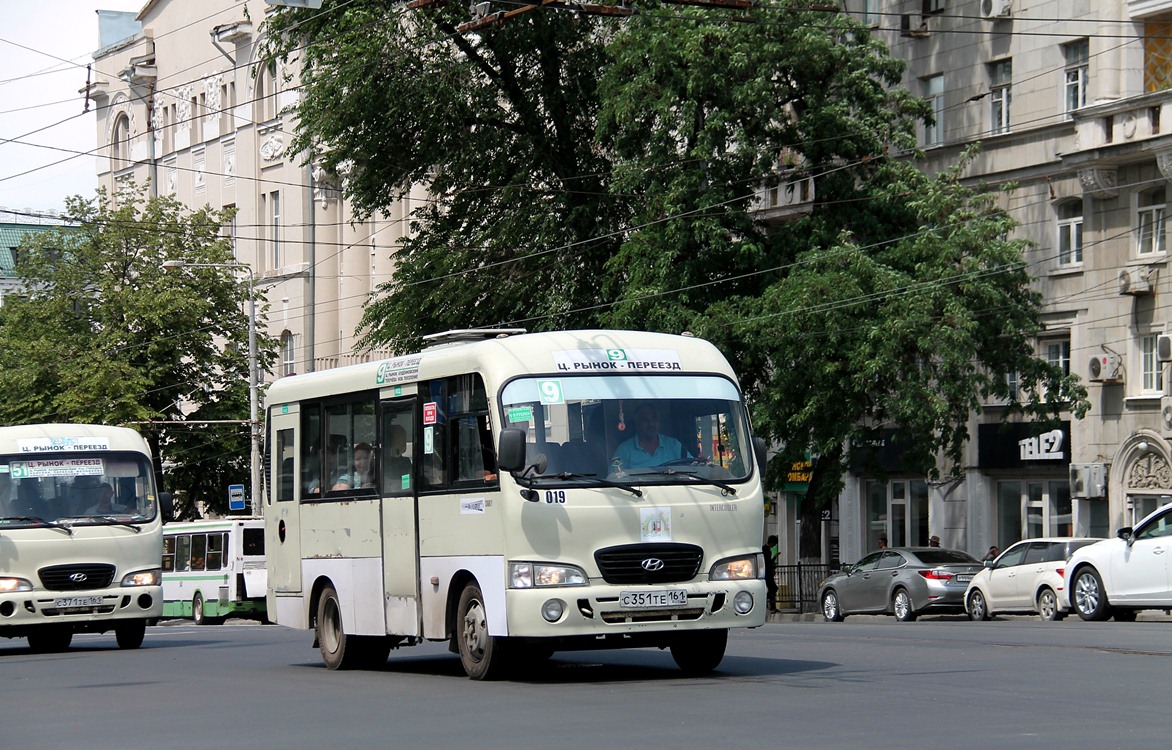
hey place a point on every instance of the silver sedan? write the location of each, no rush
(901, 581)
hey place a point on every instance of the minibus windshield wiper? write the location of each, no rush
(42, 521)
(114, 522)
(691, 475)
(591, 478)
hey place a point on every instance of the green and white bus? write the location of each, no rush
(511, 511)
(80, 534)
(214, 569)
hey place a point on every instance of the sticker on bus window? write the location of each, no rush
(521, 414)
(429, 412)
(655, 524)
(551, 391)
(428, 440)
(405, 480)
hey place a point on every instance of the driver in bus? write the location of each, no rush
(648, 446)
(105, 503)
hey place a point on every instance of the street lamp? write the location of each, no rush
(253, 374)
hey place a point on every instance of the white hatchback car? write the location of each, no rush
(1027, 577)
(1118, 577)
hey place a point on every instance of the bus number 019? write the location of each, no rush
(555, 496)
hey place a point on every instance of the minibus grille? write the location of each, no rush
(636, 563)
(77, 577)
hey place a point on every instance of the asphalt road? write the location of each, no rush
(867, 683)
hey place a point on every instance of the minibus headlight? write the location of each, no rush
(11, 585)
(152, 577)
(527, 575)
(735, 569)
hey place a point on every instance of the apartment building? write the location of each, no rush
(1070, 102)
(185, 102)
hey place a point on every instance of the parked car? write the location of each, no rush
(904, 581)
(1027, 577)
(1118, 577)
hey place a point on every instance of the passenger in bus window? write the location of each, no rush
(105, 503)
(648, 446)
(363, 474)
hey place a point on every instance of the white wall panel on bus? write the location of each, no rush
(489, 571)
(290, 611)
(359, 584)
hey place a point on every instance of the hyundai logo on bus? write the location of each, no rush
(77, 577)
(652, 564)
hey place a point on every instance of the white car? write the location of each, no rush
(1027, 577)
(1124, 575)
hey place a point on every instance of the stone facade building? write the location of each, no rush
(1069, 101)
(185, 102)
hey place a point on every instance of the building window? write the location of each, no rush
(265, 104)
(120, 143)
(288, 354)
(1070, 233)
(274, 216)
(232, 230)
(1150, 222)
(897, 511)
(871, 15)
(1000, 77)
(228, 107)
(932, 6)
(1152, 368)
(934, 93)
(1077, 66)
(1029, 509)
(1058, 354)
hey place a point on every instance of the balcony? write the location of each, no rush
(1117, 133)
(787, 200)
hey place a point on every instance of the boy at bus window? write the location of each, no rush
(363, 474)
(648, 446)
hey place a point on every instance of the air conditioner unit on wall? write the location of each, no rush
(1164, 348)
(1166, 416)
(1105, 368)
(1136, 280)
(996, 9)
(1088, 480)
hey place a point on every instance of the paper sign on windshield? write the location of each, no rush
(59, 467)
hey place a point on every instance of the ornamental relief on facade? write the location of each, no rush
(272, 148)
(183, 108)
(1149, 472)
(1098, 182)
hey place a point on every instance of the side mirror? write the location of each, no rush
(988, 563)
(510, 454)
(759, 452)
(1125, 533)
(847, 568)
(166, 507)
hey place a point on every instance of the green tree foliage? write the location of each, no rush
(608, 172)
(518, 221)
(102, 333)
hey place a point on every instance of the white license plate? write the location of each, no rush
(69, 602)
(964, 578)
(653, 599)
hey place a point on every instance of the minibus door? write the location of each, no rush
(399, 533)
(282, 525)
